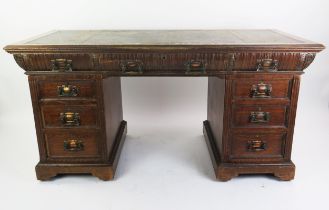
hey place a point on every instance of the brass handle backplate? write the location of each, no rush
(67, 90)
(131, 67)
(256, 145)
(194, 66)
(259, 117)
(261, 90)
(267, 65)
(61, 64)
(70, 118)
(73, 145)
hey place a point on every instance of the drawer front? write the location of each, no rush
(69, 116)
(117, 61)
(72, 144)
(67, 89)
(261, 89)
(170, 59)
(259, 116)
(197, 62)
(257, 147)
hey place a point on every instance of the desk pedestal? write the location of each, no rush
(249, 127)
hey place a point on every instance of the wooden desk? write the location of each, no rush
(253, 76)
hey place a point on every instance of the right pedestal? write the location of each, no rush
(250, 123)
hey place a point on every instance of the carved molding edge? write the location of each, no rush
(305, 60)
(229, 62)
(95, 60)
(20, 60)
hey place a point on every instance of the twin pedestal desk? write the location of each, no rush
(253, 84)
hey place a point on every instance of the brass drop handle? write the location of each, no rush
(67, 91)
(261, 90)
(73, 145)
(61, 64)
(194, 66)
(70, 118)
(259, 117)
(256, 145)
(267, 64)
(132, 67)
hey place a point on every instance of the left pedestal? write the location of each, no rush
(79, 124)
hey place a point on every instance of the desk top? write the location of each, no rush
(164, 52)
(108, 39)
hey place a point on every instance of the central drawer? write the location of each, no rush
(184, 63)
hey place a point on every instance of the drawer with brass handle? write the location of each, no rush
(155, 63)
(259, 116)
(195, 66)
(267, 64)
(64, 144)
(261, 89)
(69, 116)
(257, 146)
(61, 64)
(131, 67)
(67, 90)
(73, 145)
(70, 88)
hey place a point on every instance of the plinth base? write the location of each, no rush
(104, 171)
(226, 171)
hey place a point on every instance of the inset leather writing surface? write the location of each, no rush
(165, 37)
(173, 39)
